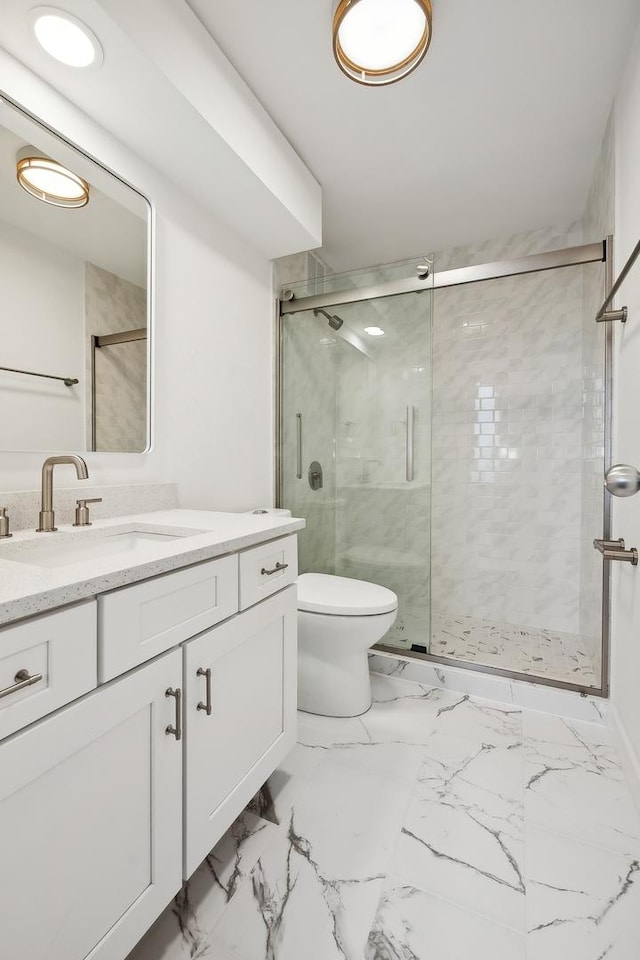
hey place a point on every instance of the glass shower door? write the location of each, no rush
(356, 447)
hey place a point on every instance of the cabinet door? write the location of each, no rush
(231, 751)
(90, 821)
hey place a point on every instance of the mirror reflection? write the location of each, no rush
(74, 268)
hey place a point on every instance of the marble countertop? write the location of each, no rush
(27, 588)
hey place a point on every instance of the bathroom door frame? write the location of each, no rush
(600, 252)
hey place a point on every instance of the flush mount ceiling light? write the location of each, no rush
(376, 42)
(374, 331)
(49, 181)
(66, 38)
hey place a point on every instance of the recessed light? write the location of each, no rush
(376, 42)
(374, 331)
(47, 180)
(65, 38)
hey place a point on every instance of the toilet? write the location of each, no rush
(339, 619)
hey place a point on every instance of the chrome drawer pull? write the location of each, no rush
(22, 680)
(177, 730)
(201, 672)
(278, 567)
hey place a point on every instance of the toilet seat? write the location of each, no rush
(342, 596)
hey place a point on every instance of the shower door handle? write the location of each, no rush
(409, 440)
(299, 446)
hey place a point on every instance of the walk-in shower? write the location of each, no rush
(463, 449)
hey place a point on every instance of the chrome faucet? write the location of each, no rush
(47, 518)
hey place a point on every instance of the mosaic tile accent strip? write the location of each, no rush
(530, 650)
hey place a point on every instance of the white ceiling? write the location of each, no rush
(497, 131)
(167, 93)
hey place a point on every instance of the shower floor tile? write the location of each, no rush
(529, 650)
(437, 826)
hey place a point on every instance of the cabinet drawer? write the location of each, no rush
(266, 569)
(61, 649)
(138, 622)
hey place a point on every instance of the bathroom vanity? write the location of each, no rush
(147, 690)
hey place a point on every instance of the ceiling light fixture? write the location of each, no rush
(376, 42)
(374, 331)
(65, 38)
(47, 180)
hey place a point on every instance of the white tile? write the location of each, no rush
(315, 889)
(274, 801)
(463, 834)
(183, 931)
(583, 902)
(575, 785)
(413, 925)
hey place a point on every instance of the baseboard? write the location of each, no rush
(529, 696)
(628, 755)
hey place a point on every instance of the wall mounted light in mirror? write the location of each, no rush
(75, 327)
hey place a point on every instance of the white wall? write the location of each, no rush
(212, 341)
(625, 692)
(42, 291)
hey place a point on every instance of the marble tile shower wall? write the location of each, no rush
(507, 422)
(598, 223)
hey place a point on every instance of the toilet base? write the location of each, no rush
(333, 666)
(334, 689)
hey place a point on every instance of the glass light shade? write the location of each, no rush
(49, 181)
(65, 38)
(376, 42)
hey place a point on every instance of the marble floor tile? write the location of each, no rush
(315, 890)
(183, 930)
(438, 826)
(463, 834)
(413, 925)
(575, 785)
(274, 801)
(583, 902)
(402, 712)
(472, 719)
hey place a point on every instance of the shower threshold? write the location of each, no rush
(532, 654)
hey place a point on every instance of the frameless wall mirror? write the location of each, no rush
(75, 263)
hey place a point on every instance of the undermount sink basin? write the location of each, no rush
(64, 549)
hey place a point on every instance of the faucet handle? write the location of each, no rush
(82, 511)
(4, 524)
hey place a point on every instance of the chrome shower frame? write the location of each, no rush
(600, 252)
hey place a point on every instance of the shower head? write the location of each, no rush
(334, 321)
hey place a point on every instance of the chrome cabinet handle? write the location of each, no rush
(177, 730)
(278, 567)
(22, 679)
(206, 673)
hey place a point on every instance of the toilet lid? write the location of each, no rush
(322, 593)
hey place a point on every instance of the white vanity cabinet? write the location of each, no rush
(116, 782)
(90, 821)
(240, 706)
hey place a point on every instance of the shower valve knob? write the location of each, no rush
(622, 480)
